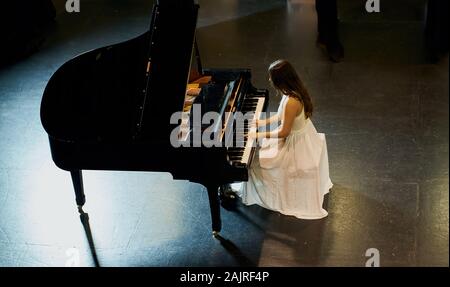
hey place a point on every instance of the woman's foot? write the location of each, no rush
(335, 52)
(334, 49)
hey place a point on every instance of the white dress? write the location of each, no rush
(290, 175)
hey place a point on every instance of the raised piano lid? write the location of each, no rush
(107, 95)
(172, 43)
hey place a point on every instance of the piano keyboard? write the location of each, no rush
(241, 153)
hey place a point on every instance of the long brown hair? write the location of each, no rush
(285, 79)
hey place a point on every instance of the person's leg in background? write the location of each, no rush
(327, 26)
(436, 31)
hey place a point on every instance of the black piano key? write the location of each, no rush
(236, 158)
(236, 152)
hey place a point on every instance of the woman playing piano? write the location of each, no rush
(289, 173)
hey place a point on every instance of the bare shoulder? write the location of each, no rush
(294, 105)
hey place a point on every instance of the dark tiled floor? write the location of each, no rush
(384, 110)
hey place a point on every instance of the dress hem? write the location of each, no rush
(290, 214)
(330, 185)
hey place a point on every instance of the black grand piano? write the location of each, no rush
(110, 108)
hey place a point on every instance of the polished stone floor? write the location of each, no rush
(384, 110)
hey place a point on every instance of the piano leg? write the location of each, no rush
(213, 195)
(77, 180)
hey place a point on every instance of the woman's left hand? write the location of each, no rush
(193, 91)
(253, 134)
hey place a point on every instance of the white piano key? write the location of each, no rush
(250, 142)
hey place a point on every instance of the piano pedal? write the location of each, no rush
(228, 198)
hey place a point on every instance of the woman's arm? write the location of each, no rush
(293, 106)
(265, 122)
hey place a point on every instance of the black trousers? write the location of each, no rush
(327, 22)
(436, 32)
